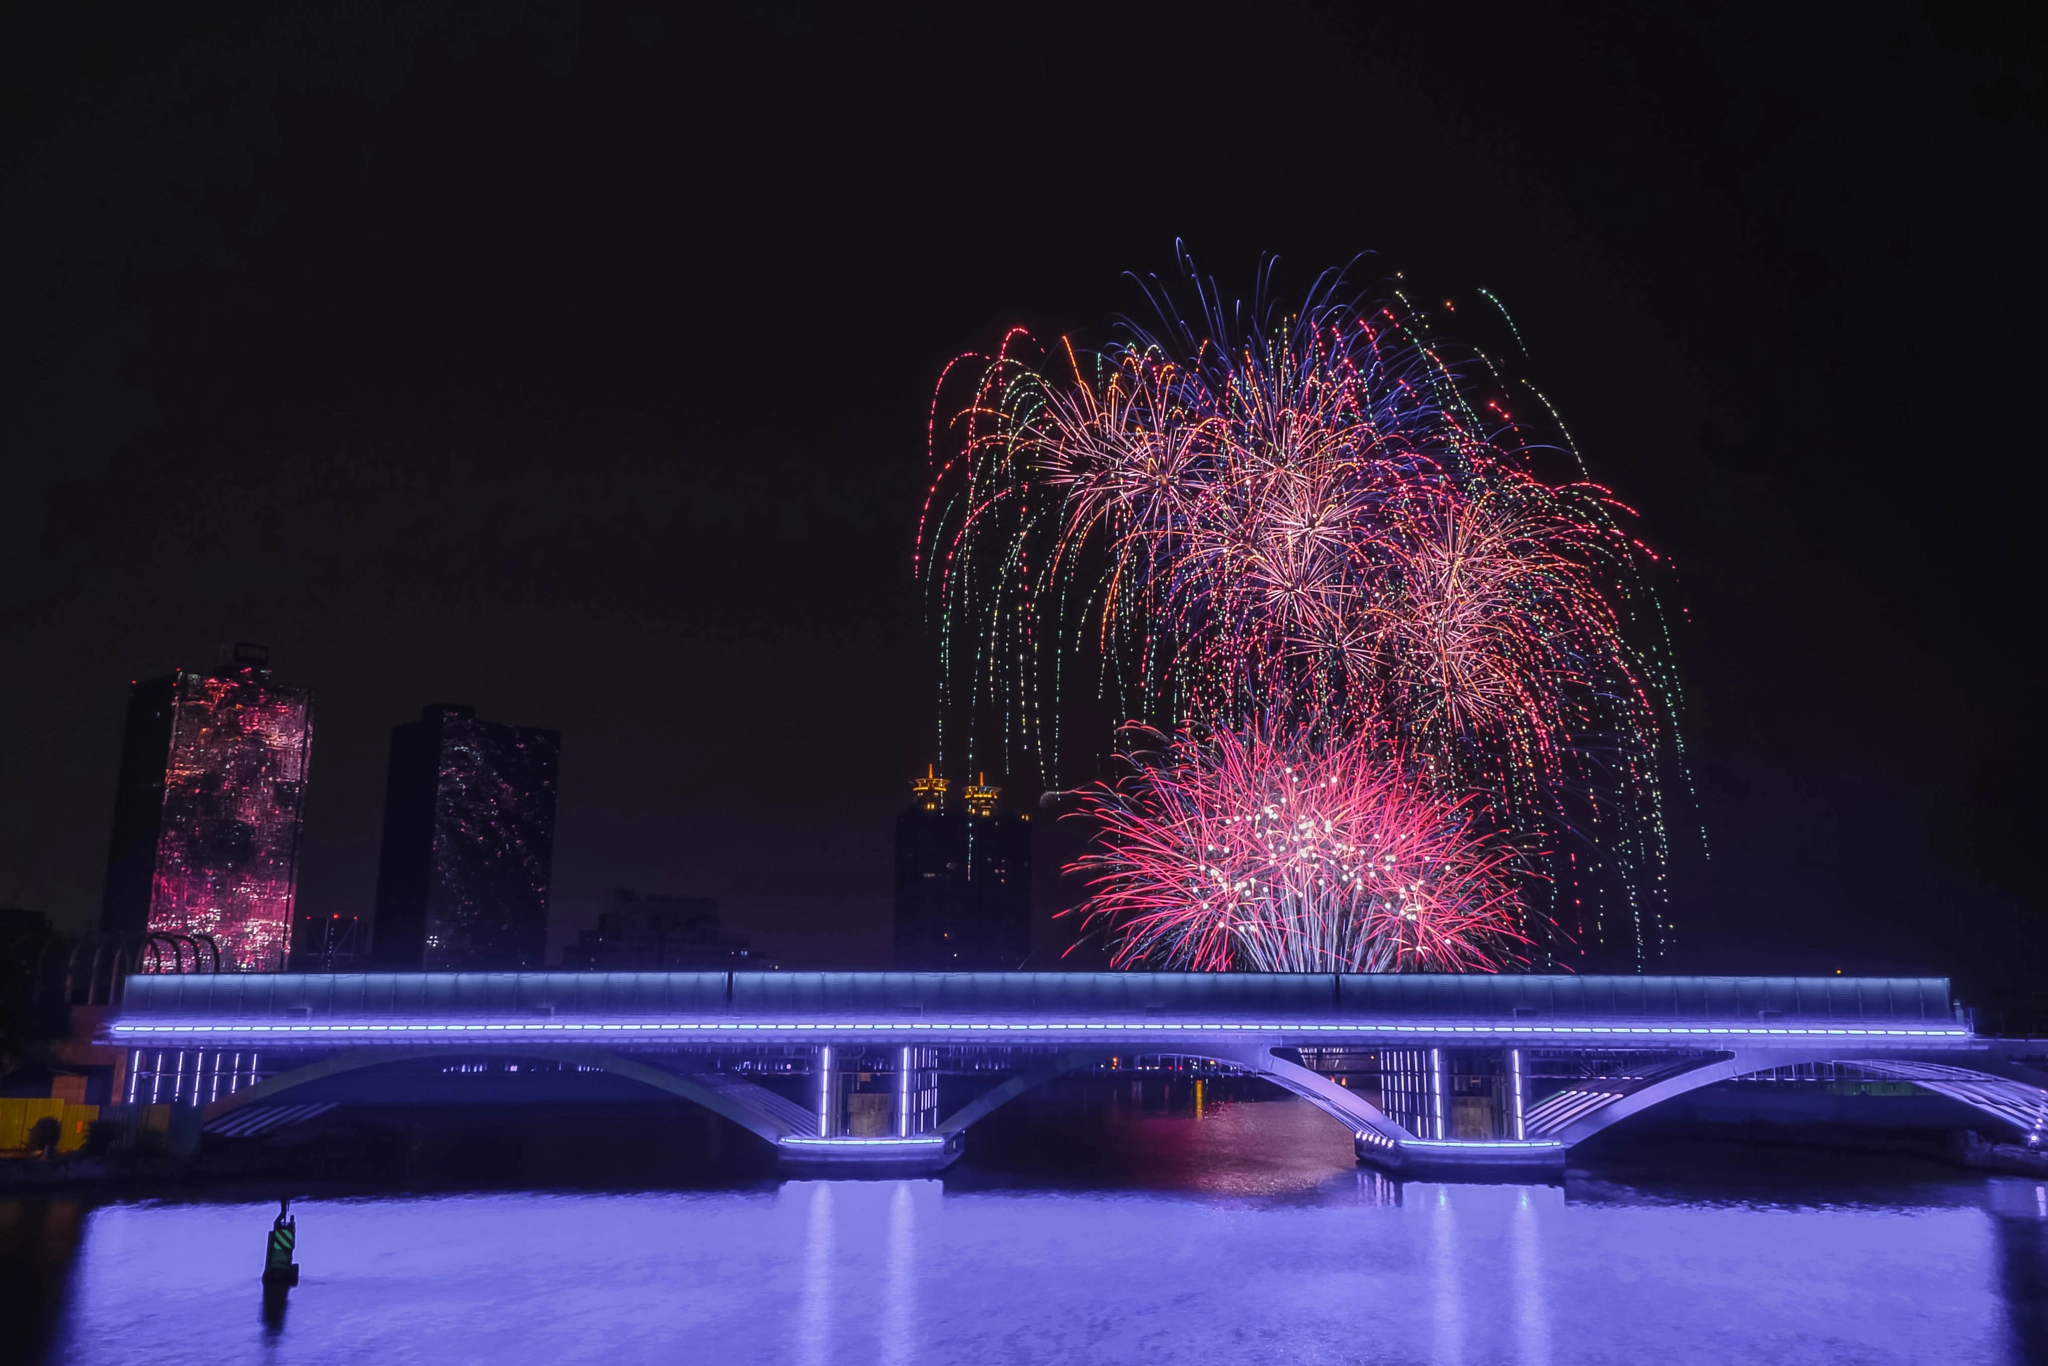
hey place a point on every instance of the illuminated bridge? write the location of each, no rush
(890, 1069)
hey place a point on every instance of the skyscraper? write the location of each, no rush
(206, 818)
(469, 845)
(963, 881)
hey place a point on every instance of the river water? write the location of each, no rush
(1111, 1234)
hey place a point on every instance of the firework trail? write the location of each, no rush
(1269, 852)
(1321, 526)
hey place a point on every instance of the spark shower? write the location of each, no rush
(1398, 696)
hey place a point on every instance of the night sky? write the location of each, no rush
(575, 364)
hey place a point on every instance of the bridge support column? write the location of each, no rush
(1518, 1094)
(876, 1109)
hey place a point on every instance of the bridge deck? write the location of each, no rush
(374, 997)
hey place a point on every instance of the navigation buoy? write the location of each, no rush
(279, 1270)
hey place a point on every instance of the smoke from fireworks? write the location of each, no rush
(1319, 527)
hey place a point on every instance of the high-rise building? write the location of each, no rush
(469, 845)
(206, 819)
(659, 933)
(963, 881)
(326, 943)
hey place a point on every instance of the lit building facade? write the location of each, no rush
(963, 881)
(469, 845)
(208, 813)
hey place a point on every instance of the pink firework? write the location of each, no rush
(1239, 515)
(1492, 636)
(1258, 851)
(1323, 527)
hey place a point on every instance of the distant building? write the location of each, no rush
(963, 881)
(207, 815)
(327, 943)
(661, 934)
(469, 845)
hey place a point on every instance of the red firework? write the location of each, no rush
(1255, 851)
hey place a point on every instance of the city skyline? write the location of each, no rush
(464, 864)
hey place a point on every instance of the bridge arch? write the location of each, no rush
(1999, 1090)
(2009, 1092)
(1341, 1103)
(757, 1113)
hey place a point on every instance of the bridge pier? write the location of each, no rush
(924, 1155)
(1475, 1160)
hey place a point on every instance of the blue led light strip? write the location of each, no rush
(129, 1031)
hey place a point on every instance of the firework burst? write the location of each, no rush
(1492, 641)
(1320, 526)
(1274, 853)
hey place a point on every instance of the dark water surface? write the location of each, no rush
(1082, 1232)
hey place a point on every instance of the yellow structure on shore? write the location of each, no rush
(18, 1116)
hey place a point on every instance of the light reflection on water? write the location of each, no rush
(1268, 1262)
(1532, 1314)
(899, 1271)
(899, 1318)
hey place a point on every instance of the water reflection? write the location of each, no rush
(39, 1240)
(2022, 1235)
(1532, 1311)
(1253, 1257)
(1446, 1299)
(1376, 1188)
(815, 1318)
(277, 1303)
(899, 1289)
